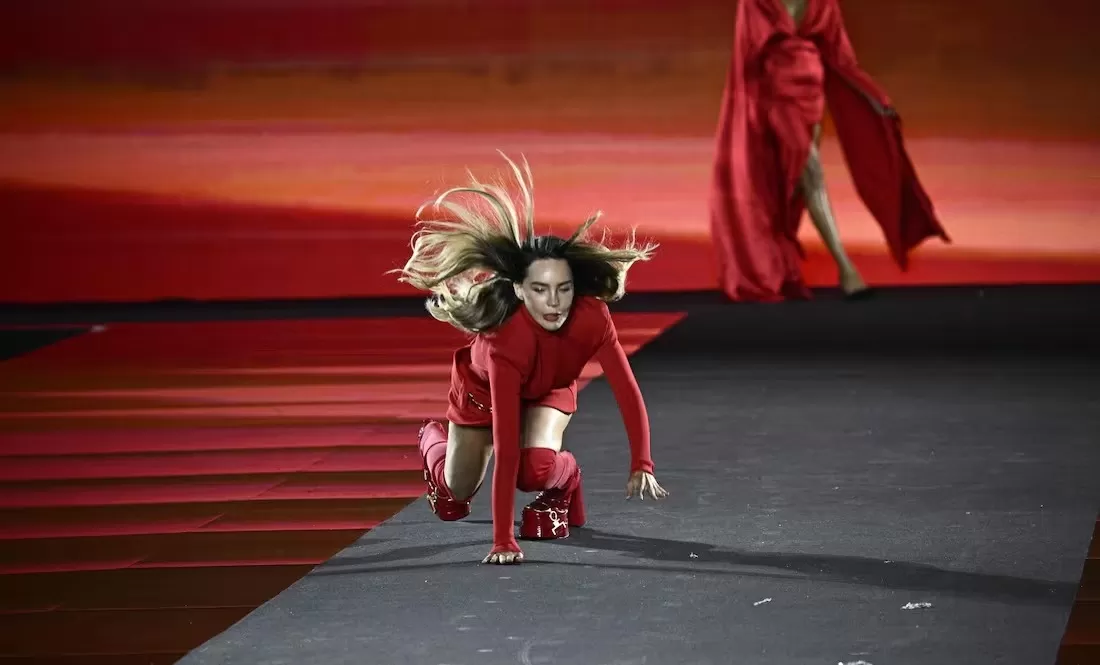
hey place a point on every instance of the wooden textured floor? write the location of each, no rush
(160, 481)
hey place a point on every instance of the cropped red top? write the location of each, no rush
(520, 361)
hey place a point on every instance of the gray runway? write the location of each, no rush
(907, 480)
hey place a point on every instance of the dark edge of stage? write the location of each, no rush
(185, 309)
(979, 319)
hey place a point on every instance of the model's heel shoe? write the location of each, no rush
(577, 514)
(445, 506)
(552, 512)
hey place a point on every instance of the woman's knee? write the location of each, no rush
(543, 468)
(535, 467)
(459, 484)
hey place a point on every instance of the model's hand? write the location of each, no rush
(642, 483)
(504, 558)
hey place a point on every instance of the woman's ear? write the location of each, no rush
(518, 288)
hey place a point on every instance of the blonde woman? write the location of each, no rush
(536, 307)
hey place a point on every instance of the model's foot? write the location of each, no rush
(853, 286)
(863, 294)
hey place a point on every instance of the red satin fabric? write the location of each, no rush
(781, 79)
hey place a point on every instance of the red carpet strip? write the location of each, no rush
(160, 481)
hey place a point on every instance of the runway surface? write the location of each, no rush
(910, 479)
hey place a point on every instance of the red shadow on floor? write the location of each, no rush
(160, 481)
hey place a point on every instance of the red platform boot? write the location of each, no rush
(433, 450)
(554, 510)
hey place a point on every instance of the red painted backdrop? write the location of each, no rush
(278, 148)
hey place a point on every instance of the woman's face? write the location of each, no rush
(547, 292)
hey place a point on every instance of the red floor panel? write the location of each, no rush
(158, 481)
(137, 588)
(54, 467)
(190, 440)
(168, 518)
(12, 527)
(102, 632)
(221, 488)
(143, 658)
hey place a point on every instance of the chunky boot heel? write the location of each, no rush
(552, 512)
(577, 514)
(544, 520)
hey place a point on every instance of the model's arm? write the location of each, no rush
(620, 377)
(837, 49)
(504, 387)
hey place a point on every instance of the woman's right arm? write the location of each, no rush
(504, 387)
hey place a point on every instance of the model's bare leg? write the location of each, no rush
(546, 468)
(821, 212)
(544, 427)
(454, 466)
(468, 452)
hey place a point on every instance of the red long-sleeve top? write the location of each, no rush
(522, 361)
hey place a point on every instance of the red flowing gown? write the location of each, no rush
(781, 78)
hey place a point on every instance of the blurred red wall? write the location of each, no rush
(277, 148)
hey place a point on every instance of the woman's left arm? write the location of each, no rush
(628, 395)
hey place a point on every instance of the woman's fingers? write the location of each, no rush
(503, 558)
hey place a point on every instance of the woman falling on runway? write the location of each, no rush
(536, 307)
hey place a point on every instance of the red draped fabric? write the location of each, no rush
(781, 78)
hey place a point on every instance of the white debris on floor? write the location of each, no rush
(916, 606)
(761, 602)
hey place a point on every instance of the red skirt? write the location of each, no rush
(469, 402)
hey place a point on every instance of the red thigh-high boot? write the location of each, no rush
(433, 449)
(561, 503)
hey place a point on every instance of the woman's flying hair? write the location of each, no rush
(469, 261)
